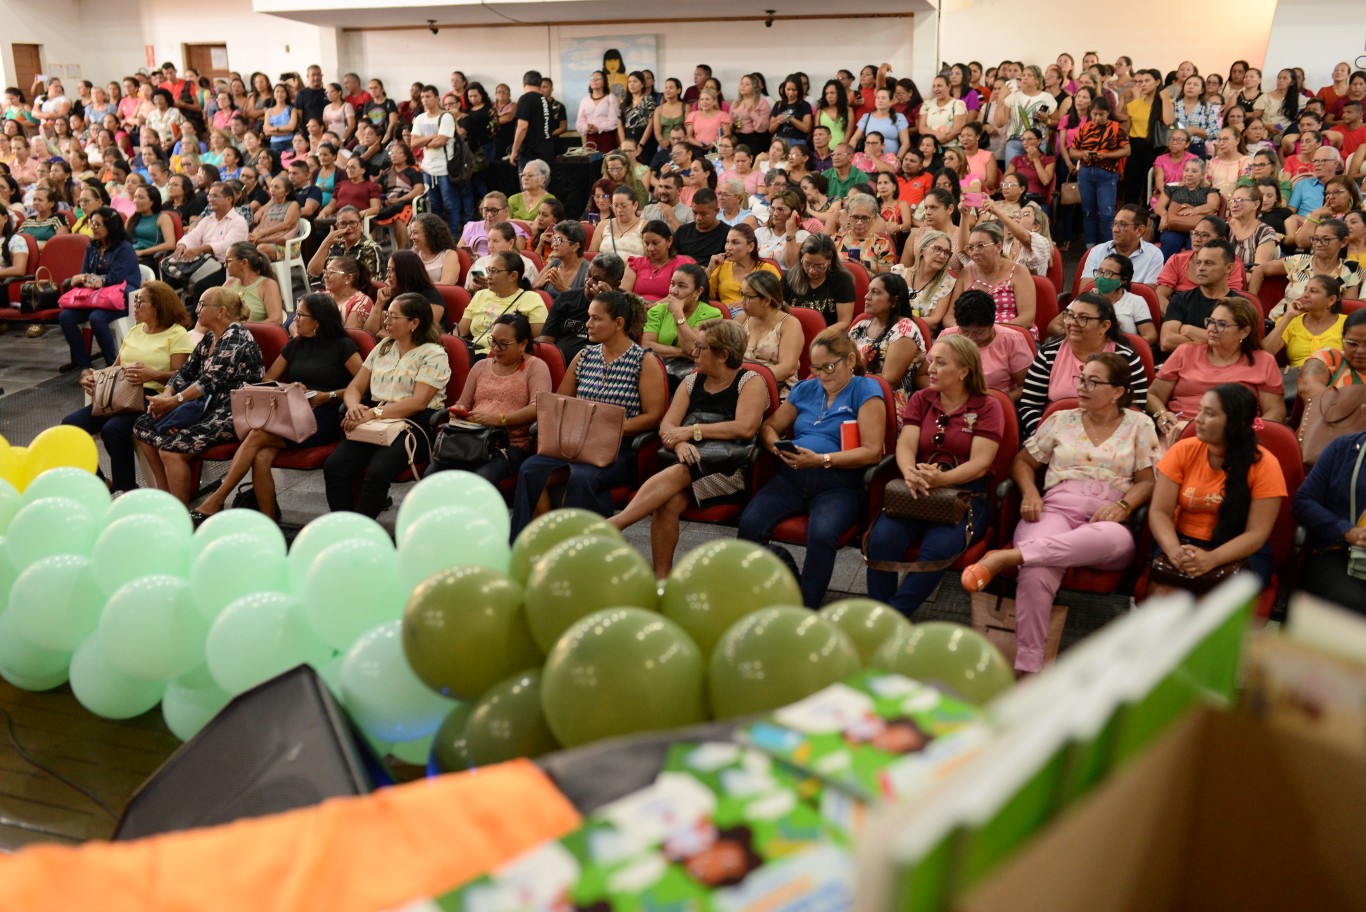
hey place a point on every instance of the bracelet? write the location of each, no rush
(1310, 220)
(503, 419)
(1125, 504)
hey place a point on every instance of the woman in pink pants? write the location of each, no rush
(1100, 460)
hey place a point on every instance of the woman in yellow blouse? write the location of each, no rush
(728, 269)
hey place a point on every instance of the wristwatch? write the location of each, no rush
(697, 432)
(825, 461)
(379, 411)
(180, 397)
(679, 321)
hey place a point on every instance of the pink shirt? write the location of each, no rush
(651, 283)
(485, 391)
(1190, 368)
(1007, 355)
(1172, 171)
(220, 234)
(705, 128)
(1066, 366)
(601, 116)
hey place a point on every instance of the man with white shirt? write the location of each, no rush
(434, 131)
(220, 228)
(1128, 228)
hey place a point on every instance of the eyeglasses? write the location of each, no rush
(860, 218)
(936, 248)
(348, 224)
(1335, 193)
(1107, 274)
(328, 272)
(391, 315)
(1118, 224)
(1090, 383)
(302, 315)
(827, 369)
(975, 248)
(1202, 235)
(942, 422)
(1352, 344)
(815, 267)
(490, 210)
(500, 344)
(1082, 320)
(1218, 326)
(1322, 240)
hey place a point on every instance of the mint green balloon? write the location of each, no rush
(53, 525)
(622, 671)
(10, 502)
(217, 578)
(24, 659)
(8, 575)
(582, 575)
(453, 489)
(104, 689)
(191, 701)
(507, 722)
(952, 657)
(324, 532)
(55, 603)
(548, 530)
(138, 546)
(35, 684)
(351, 587)
(449, 537)
(236, 522)
(151, 629)
(414, 753)
(76, 484)
(151, 502)
(465, 630)
(721, 581)
(450, 748)
(330, 671)
(381, 692)
(258, 637)
(867, 622)
(774, 657)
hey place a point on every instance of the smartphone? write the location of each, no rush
(477, 272)
(786, 446)
(974, 199)
(855, 255)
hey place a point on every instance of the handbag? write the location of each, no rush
(106, 297)
(1070, 194)
(280, 410)
(183, 270)
(39, 293)
(187, 414)
(721, 456)
(1165, 573)
(945, 506)
(1339, 411)
(115, 394)
(466, 445)
(384, 431)
(578, 430)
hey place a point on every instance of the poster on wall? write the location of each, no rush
(616, 55)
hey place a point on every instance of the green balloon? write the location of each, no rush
(24, 659)
(35, 684)
(151, 629)
(414, 753)
(10, 502)
(950, 656)
(138, 546)
(507, 722)
(321, 534)
(216, 576)
(53, 525)
(351, 587)
(583, 575)
(774, 657)
(548, 530)
(76, 484)
(236, 522)
(622, 671)
(191, 701)
(104, 690)
(465, 630)
(258, 637)
(453, 489)
(720, 582)
(55, 603)
(151, 502)
(449, 537)
(330, 671)
(8, 575)
(450, 748)
(381, 692)
(868, 623)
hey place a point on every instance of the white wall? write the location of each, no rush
(1303, 35)
(46, 24)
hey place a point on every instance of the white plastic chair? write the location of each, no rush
(284, 267)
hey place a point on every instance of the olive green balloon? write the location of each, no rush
(76, 484)
(621, 671)
(450, 749)
(869, 623)
(546, 531)
(507, 722)
(582, 575)
(950, 656)
(774, 657)
(720, 582)
(465, 630)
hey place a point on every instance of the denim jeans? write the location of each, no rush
(71, 319)
(588, 487)
(891, 537)
(1014, 149)
(830, 499)
(1098, 191)
(452, 203)
(1172, 243)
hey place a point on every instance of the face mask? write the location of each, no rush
(1108, 286)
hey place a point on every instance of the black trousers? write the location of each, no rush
(1325, 575)
(374, 467)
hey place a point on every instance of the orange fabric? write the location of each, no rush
(1202, 487)
(346, 855)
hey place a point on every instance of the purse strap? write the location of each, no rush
(511, 304)
(1356, 471)
(38, 275)
(933, 566)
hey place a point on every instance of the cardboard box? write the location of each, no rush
(1225, 811)
(993, 616)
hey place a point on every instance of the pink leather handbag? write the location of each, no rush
(281, 410)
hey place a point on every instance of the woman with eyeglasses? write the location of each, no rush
(1328, 246)
(348, 282)
(1233, 354)
(1179, 209)
(535, 177)
(1008, 283)
(820, 282)
(949, 437)
(928, 279)
(404, 376)
(859, 243)
(1340, 196)
(155, 348)
(1100, 459)
(1170, 166)
(1089, 327)
(508, 291)
(566, 269)
(502, 236)
(320, 359)
(1254, 241)
(816, 476)
(405, 274)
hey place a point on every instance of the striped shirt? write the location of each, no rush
(617, 383)
(1035, 398)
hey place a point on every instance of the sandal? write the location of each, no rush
(975, 578)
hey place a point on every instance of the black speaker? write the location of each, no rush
(282, 745)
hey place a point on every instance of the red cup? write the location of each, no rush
(849, 439)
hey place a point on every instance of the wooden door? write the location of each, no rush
(209, 59)
(27, 65)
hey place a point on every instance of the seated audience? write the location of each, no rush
(347, 238)
(111, 263)
(1180, 207)
(474, 237)
(928, 278)
(1186, 312)
(859, 243)
(650, 275)
(670, 325)
(705, 236)
(535, 178)
(277, 221)
(820, 282)
(1009, 284)
(567, 326)
(1328, 258)
(1254, 241)
(1323, 504)
(508, 291)
(349, 283)
(621, 234)
(250, 275)
(727, 270)
(502, 237)
(888, 341)
(566, 268)
(1005, 353)
(431, 239)
(405, 274)
(1130, 224)
(1311, 324)
(773, 337)
(1330, 368)
(149, 228)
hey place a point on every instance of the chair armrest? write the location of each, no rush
(1004, 489)
(872, 473)
(641, 440)
(10, 280)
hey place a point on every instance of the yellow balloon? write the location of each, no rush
(14, 467)
(63, 445)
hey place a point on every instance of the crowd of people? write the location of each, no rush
(889, 259)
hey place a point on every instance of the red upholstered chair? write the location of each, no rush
(62, 256)
(1022, 330)
(1271, 292)
(14, 283)
(551, 355)
(465, 263)
(1351, 304)
(364, 341)
(1147, 292)
(861, 281)
(457, 299)
(177, 227)
(728, 511)
(1054, 273)
(1145, 354)
(1076, 276)
(1045, 304)
(813, 324)
(271, 339)
(646, 445)
(534, 257)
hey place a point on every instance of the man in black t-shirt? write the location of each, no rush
(312, 98)
(1187, 311)
(705, 236)
(567, 325)
(534, 124)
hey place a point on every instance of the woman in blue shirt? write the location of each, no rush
(895, 129)
(816, 477)
(109, 260)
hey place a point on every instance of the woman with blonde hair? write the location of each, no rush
(771, 338)
(928, 280)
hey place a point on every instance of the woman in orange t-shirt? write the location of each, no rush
(1218, 493)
